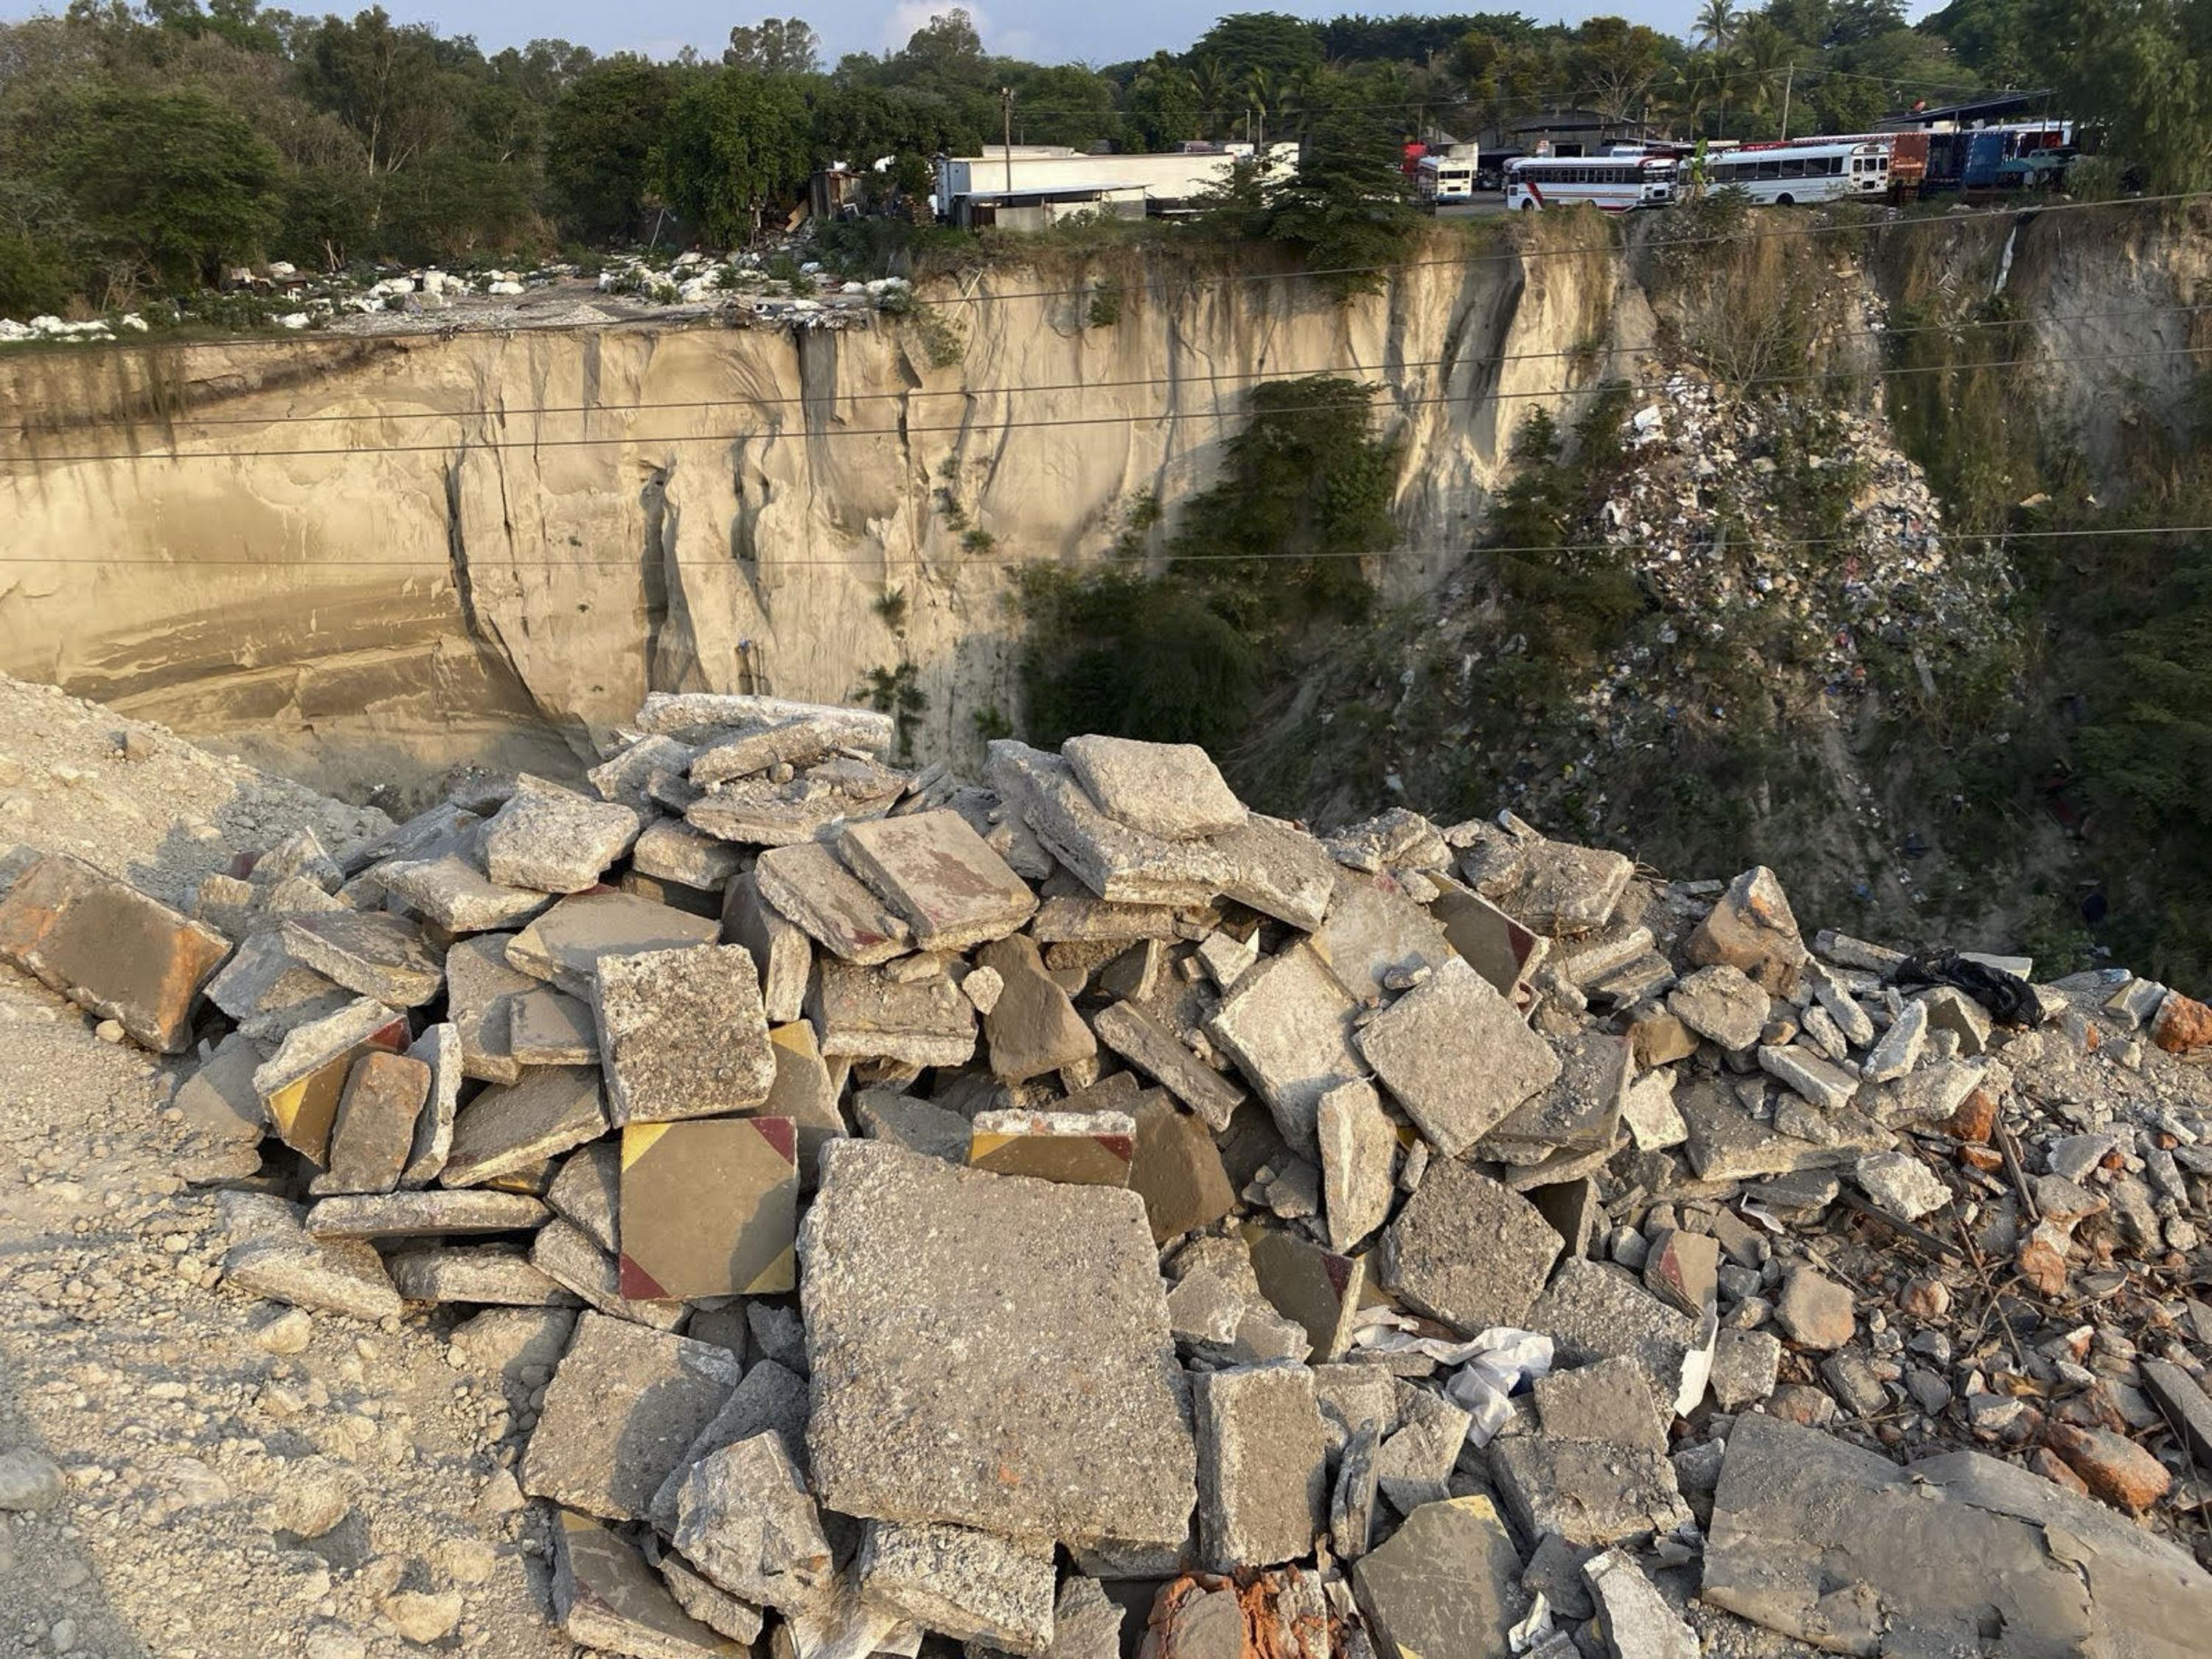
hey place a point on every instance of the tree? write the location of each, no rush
(1163, 106)
(600, 141)
(385, 83)
(171, 181)
(734, 139)
(1717, 25)
(1614, 62)
(1346, 206)
(1270, 40)
(774, 45)
(1064, 103)
(945, 51)
(2142, 70)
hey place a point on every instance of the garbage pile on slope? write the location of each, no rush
(1075, 1214)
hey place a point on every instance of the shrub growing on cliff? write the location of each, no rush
(1345, 207)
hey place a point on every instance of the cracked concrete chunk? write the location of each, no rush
(1152, 1048)
(1278, 870)
(606, 1598)
(1358, 1144)
(1468, 1251)
(940, 876)
(1115, 862)
(808, 887)
(504, 1131)
(1447, 1583)
(1374, 931)
(1811, 1077)
(1638, 1623)
(682, 1033)
(1176, 1168)
(1317, 1290)
(222, 1122)
(1414, 1465)
(1579, 1111)
(746, 1519)
(1746, 1366)
(491, 1275)
(1588, 1493)
(1548, 886)
(424, 1214)
(566, 1254)
(1722, 1003)
(369, 953)
(1607, 1402)
(109, 949)
(1592, 1310)
(453, 892)
(480, 990)
(671, 850)
(864, 1014)
(1262, 1481)
(781, 951)
(555, 839)
(1064, 1420)
(762, 812)
(269, 993)
(374, 1130)
(562, 946)
(627, 776)
(439, 1048)
(342, 1276)
(624, 1405)
(1032, 1027)
(1752, 928)
(1456, 1056)
(969, 1585)
(1728, 1144)
(1841, 1548)
(1288, 1026)
(546, 1027)
(1169, 789)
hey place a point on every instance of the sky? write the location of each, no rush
(1045, 31)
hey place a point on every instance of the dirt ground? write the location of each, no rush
(196, 1456)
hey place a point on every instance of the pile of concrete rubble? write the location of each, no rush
(1080, 1216)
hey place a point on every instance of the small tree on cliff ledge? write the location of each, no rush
(1345, 207)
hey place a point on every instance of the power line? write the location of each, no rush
(1252, 376)
(1102, 565)
(1219, 412)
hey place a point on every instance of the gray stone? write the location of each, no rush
(606, 1598)
(2072, 1156)
(969, 1585)
(566, 1254)
(342, 1276)
(1227, 958)
(1288, 1027)
(586, 1192)
(762, 812)
(1721, 1003)
(702, 1599)
(1593, 1311)
(30, 1481)
(746, 1519)
(1745, 1365)
(1589, 1493)
(555, 839)
(422, 1214)
(1549, 886)
(269, 993)
(441, 1049)
(1115, 862)
(682, 1033)
(1374, 932)
(504, 1131)
(1358, 1143)
(1850, 1376)
(1607, 1403)
(1931, 1094)
(1152, 1048)
(1898, 1050)
(2184, 1404)
(897, 1245)
(563, 946)
(374, 1131)
(940, 876)
(376, 955)
(624, 1406)
(781, 951)
(669, 849)
(1901, 1184)
(1177, 1170)
(1812, 1078)
(452, 891)
(1638, 1623)
(1317, 1289)
(627, 775)
(1840, 1548)
(1467, 1251)
(1457, 1056)
(546, 1027)
(492, 1275)
(1815, 1310)
(1262, 1481)
(916, 1126)
(1448, 1582)
(222, 1121)
(1168, 789)
(480, 990)
(771, 1400)
(1415, 1464)
(1727, 1143)
(808, 887)
(1032, 1027)
(864, 1014)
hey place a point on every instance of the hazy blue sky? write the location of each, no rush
(1048, 31)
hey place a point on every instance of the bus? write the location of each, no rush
(1443, 180)
(1785, 174)
(1614, 183)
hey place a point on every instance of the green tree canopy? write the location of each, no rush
(734, 139)
(599, 144)
(774, 45)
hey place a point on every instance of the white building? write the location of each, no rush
(1030, 186)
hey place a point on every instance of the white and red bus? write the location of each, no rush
(1783, 174)
(1614, 183)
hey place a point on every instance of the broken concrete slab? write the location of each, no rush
(863, 1013)
(339, 1276)
(546, 1027)
(453, 892)
(624, 1405)
(1752, 928)
(1177, 1170)
(606, 1598)
(370, 953)
(918, 1126)
(586, 1192)
(1278, 870)
(1078, 918)
(681, 1033)
(555, 839)
(1447, 1581)
(771, 1400)
(1288, 1026)
(1467, 1251)
(422, 1214)
(746, 1519)
(1728, 1144)
(1837, 1546)
(1359, 1148)
(939, 876)
(480, 988)
(1353, 1497)
(763, 812)
(1415, 1464)
(269, 993)
(1746, 1366)
(797, 743)
(1262, 1479)
(710, 1208)
(627, 776)
(781, 951)
(563, 946)
(221, 1119)
(1723, 1004)
(1809, 1076)
(1112, 860)
(1456, 1056)
(1649, 1110)
(299, 1085)
(703, 1599)
(1607, 1402)
(491, 1275)
(1900, 1184)
(567, 1255)
(1032, 1027)
(1081, 1148)
(1172, 790)
(1589, 1493)
(109, 949)
(1593, 1311)
(809, 888)
(1317, 1290)
(1579, 1111)
(1548, 886)
(1491, 943)
(1376, 938)
(1638, 1622)
(374, 1130)
(439, 1048)
(969, 1585)
(1152, 1048)
(897, 1244)
(669, 849)
(505, 1130)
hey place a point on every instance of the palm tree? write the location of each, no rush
(1216, 94)
(1716, 26)
(1262, 93)
(1766, 55)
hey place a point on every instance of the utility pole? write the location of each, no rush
(1006, 113)
(1789, 76)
